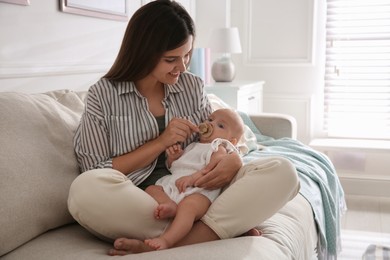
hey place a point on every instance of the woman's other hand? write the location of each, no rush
(184, 182)
(219, 173)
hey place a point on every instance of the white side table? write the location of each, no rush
(245, 96)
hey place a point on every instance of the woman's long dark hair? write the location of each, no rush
(155, 28)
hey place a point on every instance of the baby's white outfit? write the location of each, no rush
(195, 157)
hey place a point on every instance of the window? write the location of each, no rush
(357, 76)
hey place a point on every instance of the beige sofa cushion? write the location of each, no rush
(290, 234)
(37, 163)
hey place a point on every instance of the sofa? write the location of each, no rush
(38, 165)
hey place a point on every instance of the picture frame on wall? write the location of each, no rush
(106, 9)
(17, 2)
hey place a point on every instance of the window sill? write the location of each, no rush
(330, 144)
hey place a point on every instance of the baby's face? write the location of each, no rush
(220, 124)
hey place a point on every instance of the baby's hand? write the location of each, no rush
(183, 182)
(174, 151)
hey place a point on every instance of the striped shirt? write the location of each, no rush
(116, 120)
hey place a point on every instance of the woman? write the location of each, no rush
(143, 105)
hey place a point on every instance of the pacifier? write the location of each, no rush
(205, 129)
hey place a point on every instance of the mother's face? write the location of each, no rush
(172, 63)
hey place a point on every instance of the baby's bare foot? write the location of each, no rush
(157, 243)
(166, 210)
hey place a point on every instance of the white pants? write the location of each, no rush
(109, 205)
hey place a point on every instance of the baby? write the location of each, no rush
(176, 195)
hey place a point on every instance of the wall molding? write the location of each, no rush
(299, 60)
(298, 106)
(27, 70)
(365, 185)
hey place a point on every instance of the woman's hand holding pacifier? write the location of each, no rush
(177, 131)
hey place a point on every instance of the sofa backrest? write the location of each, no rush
(37, 163)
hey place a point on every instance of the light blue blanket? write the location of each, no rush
(319, 184)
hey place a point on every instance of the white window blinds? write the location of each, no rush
(357, 76)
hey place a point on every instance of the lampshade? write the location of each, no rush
(225, 40)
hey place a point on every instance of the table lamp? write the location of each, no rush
(225, 41)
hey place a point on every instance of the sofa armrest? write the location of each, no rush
(275, 125)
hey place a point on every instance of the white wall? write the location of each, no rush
(280, 47)
(210, 15)
(42, 48)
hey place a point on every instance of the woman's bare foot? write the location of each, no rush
(165, 210)
(125, 246)
(157, 243)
